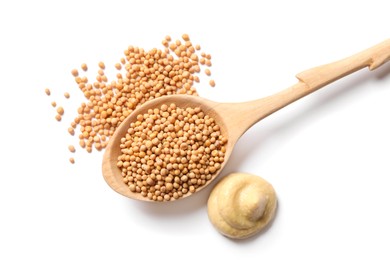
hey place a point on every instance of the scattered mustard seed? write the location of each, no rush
(71, 160)
(165, 43)
(71, 148)
(84, 67)
(75, 72)
(66, 95)
(110, 103)
(101, 72)
(146, 75)
(101, 65)
(53, 104)
(207, 72)
(78, 80)
(47, 91)
(196, 79)
(118, 66)
(212, 83)
(194, 57)
(71, 130)
(60, 110)
(185, 37)
(172, 46)
(82, 143)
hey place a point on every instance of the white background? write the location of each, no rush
(326, 155)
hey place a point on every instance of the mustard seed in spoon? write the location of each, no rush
(170, 151)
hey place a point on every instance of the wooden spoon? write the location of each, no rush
(236, 118)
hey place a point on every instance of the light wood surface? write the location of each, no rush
(236, 118)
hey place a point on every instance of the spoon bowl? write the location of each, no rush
(234, 119)
(112, 174)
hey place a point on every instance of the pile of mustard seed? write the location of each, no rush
(171, 151)
(142, 76)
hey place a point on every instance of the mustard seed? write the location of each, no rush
(172, 46)
(165, 43)
(75, 72)
(60, 110)
(212, 83)
(84, 67)
(82, 143)
(194, 57)
(118, 66)
(71, 130)
(102, 65)
(53, 104)
(58, 117)
(207, 72)
(185, 37)
(66, 95)
(47, 91)
(71, 160)
(71, 148)
(196, 79)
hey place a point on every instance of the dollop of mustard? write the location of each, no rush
(241, 205)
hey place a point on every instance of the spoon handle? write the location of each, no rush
(373, 57)
(310, 81)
